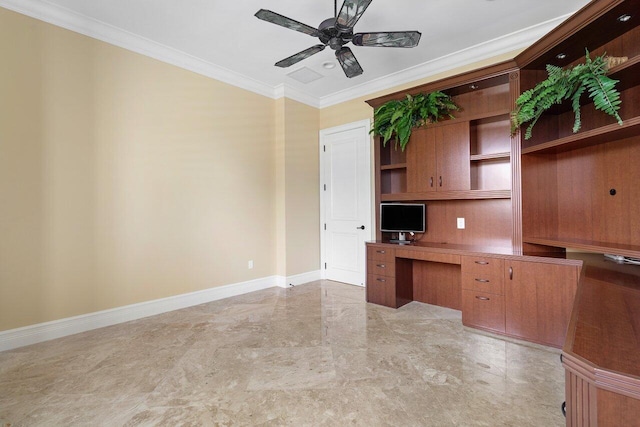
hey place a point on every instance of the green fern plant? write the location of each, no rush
(568, 84)
(399, 117)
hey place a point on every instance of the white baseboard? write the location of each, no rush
(300, 279)
(33, 334)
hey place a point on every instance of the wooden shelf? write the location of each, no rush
(448, 195)
(587, 245)
(627, 73)
(629, 128)
(489, 115)
(393, 166)
(490, 156)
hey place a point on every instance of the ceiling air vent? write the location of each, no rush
(305, 75)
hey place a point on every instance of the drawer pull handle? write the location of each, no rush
(381, 265)
(381, 252)
(482, 298)
(482, 262)
(381, 280)
(482, 280)
(510, 273)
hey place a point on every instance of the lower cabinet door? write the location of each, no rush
(539, 300)
(381, 290)
(483, 310)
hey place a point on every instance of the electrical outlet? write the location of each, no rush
(250, 264)
(460, 223)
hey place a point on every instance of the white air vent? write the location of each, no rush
(305, 75)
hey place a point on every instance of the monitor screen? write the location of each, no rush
(402, 217)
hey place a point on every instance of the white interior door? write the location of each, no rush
(345, 157)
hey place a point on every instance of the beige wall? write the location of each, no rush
(302, 183)
(297, 188)
(123, 179)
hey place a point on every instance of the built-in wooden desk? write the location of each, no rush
(526, 297)
(601, 354)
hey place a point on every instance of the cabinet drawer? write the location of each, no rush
(428, 256)
(492, 284)
(380, 253)
(482, 265)
(483, 310)
(382, 268)
(381, 290)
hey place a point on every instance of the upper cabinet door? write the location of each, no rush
(452, 153)
(438, 159)
(421, 161)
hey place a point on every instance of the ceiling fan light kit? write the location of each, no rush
(336, 32)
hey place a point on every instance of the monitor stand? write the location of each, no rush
(402, 239)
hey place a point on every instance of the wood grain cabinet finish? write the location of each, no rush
(483, 274)
(381, 282)
(438, 159)
(483, 310)
(539, 297)
(483, 302)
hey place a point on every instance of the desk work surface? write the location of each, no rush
(605, 324)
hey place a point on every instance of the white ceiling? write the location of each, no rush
(224, 40)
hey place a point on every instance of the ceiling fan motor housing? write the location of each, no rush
(330, 35)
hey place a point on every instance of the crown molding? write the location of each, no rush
(489, 49)
(90, 27)
(93, 28)
(286, 91)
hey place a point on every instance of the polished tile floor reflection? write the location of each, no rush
(313, 355)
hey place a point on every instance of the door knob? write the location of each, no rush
(360, 228)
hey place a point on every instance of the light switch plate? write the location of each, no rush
(460, 223)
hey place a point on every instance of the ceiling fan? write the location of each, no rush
(336, 32)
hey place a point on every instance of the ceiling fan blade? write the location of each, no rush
(348, 62)
(387, 39)
(287, 62)
(283, 21)
(350, 13)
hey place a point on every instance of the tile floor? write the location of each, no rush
(313, 355)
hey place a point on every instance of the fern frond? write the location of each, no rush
(399, 117)
(569, 84)
(575, 105)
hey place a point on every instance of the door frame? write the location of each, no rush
(323, 134)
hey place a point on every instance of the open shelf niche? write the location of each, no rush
(579, 190)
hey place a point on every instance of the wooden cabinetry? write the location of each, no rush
(579, 189)
(438, 159)
(483, 301)
(524, 299)
(461, 167)
(539, 300)
(602, 351)
(381, 276)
